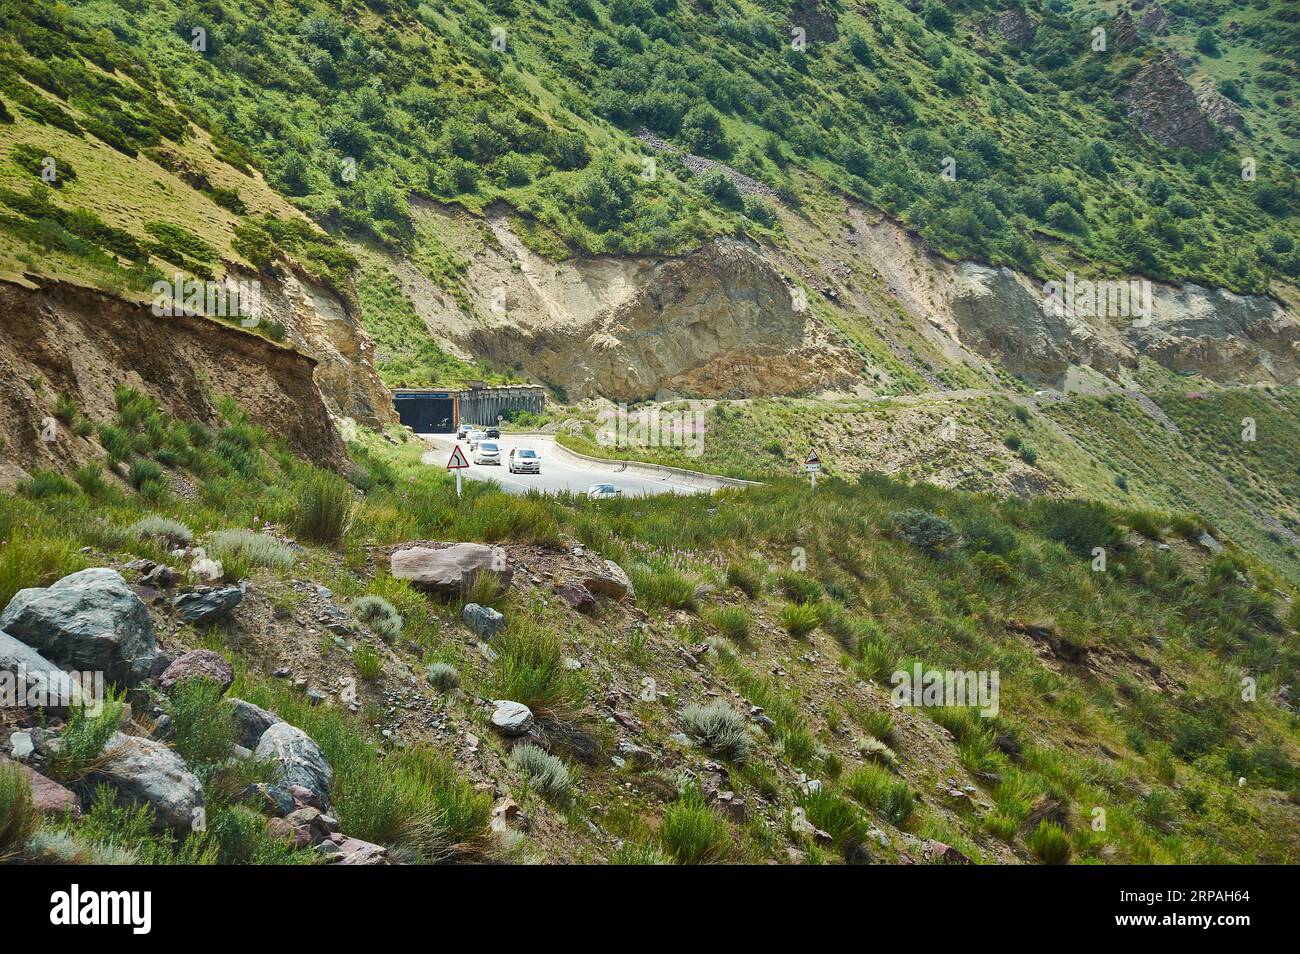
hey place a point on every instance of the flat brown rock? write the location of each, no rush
(452, 569)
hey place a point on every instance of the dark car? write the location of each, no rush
(494, 432)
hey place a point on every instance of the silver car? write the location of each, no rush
(524, 460)
(474, 438)
(487, 453)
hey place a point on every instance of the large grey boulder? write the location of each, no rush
(251, 721)
(89, 621)
(298, 760)
(146, 772)
(451, 570)
(29, 680)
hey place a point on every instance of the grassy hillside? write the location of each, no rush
(1120, 690)
(347, 109)
(1112, 448)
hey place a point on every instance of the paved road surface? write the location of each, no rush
(556, 475)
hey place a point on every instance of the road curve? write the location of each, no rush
(562, 470)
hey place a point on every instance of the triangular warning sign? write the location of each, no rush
(458, 461)
(813, 458)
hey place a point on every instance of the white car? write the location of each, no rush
(463, 431)
(603, 492)
(474, 438)
(487, 453)
(524, 460)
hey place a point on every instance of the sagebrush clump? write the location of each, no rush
(547, 775)
(380, 615)
(718, 729)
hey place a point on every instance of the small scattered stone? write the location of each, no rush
(512, 718)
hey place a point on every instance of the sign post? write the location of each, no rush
(812, 465)
(457, 463)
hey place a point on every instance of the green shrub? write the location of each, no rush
(746, 577)
(719, 729)
(204, 733)
(36, 558)
(19, 818)
(879, 723)
(692, 833)
(925, 530)
(1080, 525)
(380, 615)
(84, 739)
(732, 621)
(90, 478)
(530, 669)
(663, 588)
(66, 409)
(546, 774)
(878, 789)
(1049, 844)
(142, 472)
(46, 483)
(835, 816)
(116, 442)
(799, 587)
(323, 508)
(369, 662)
(799, 619)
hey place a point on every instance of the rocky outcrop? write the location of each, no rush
(48, 796)
(90, 621)
(29, 680)
(1164, 107)
(297, 760)
(1124, 32)
(251, 721)
(1016, 28)
(145, 772)
(1000, 314)
(1245, 339)
(1221, 111)
(207, 606)
(1154, 20)
(80, 343)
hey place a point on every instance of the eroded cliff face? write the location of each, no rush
(321, 322)
(720, 322)
(963, 311)
(64, 340)
(1229, 338)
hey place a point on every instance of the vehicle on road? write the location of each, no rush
(487, 453)
(463, 431)
(524, 460)
(494, 433)
(603, 492)
(475, 438)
